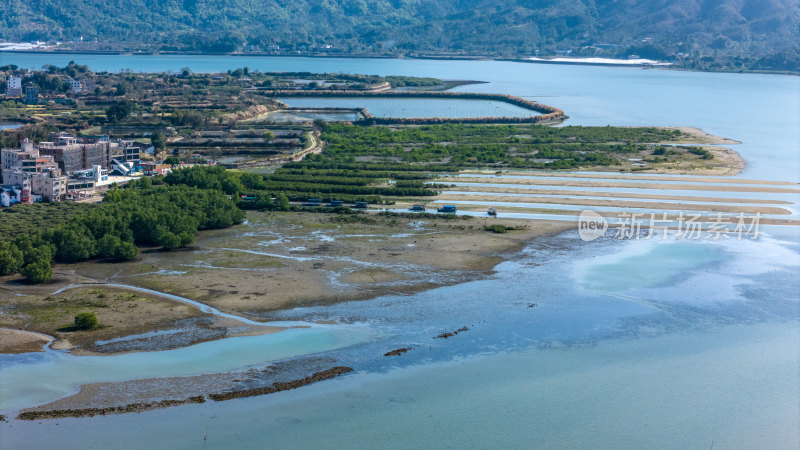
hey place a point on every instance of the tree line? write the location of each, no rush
(140, 215)
(296, 187)
(458, 145)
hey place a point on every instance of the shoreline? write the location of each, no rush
(13, 341)
(703, 137)
(594, 203)
(406, 57)
(634, 185)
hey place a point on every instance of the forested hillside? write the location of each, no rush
(702, 32)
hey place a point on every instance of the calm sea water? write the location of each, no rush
(659, 344)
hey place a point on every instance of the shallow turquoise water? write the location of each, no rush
(667, 392)
(650, 265)
(28, 379)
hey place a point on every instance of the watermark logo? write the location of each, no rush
(591, 225)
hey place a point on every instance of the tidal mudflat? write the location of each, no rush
(273, 262)
(663, 317)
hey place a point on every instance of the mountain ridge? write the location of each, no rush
(736, 32)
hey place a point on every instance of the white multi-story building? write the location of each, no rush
(50, 184)
(75, 85)
(74, 155)
(22, 163)
(14, 87)
(12, 157)
(15, 177)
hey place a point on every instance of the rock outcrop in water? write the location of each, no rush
(397, 351)
(449, 334)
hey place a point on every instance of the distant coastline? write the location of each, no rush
(638, 62)
(609, 62)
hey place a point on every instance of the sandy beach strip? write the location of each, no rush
(633, 185)
(21, 341)
(616, 195)
(655, 206)
(699, 136)
(637, 177)
(609, 214)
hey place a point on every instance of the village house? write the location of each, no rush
(14, 86)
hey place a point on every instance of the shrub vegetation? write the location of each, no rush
(86, 321)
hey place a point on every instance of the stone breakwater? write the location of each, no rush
(547, 113)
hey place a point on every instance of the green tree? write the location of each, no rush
(11, 258)
(168, 240)
(73, 243)
(282, 201)
(268, 136)
(158, 141)
(144, 183)
(106, 245)
(186, 238)
(39, 269)
(86, 321)
(125, 251)
(120, 111)
(34, 247)
(189, 118)
(112, 247)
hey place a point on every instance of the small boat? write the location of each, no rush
(417, 207)
(449, 209)
(492, 212)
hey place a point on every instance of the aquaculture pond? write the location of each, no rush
(416, 107)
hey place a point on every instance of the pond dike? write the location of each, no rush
(547, 114)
